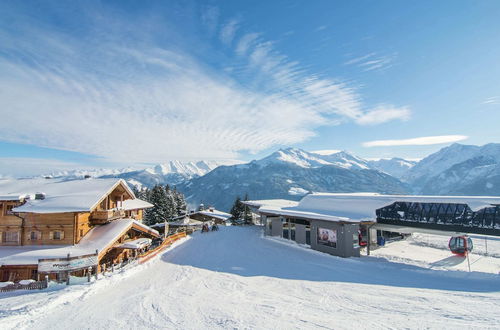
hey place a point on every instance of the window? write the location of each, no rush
(8, 209)
(10, 237)
(57, 235)
(35, 235)
(81, 232)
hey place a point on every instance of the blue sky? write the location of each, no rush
(119, 83)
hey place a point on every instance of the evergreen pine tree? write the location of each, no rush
(180, 202)
(237, 210)
(158, 213)
(170, 203)
(247, 213)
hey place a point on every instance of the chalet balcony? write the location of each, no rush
(105, 216)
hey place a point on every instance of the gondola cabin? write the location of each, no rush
(460, 245)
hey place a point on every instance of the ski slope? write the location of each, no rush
(235, 278)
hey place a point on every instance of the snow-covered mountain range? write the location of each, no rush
(290, 173)
(458, 170)
(173, 173)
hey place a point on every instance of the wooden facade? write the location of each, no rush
(66, 228)
(60, 228)
(10, 224)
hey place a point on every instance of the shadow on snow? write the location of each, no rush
(243, 251)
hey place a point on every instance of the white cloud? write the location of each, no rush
(383, 114)
(209, 18)
(372, 62)
(494, 100)
(420, 141)
(228, 31)
(109, 97)
(245, 42)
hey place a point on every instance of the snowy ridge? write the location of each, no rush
(458, 170)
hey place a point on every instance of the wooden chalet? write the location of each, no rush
(51, 219)
(211, 215)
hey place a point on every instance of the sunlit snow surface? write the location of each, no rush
(235, 278)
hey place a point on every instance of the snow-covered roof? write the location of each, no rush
(215, 214)
(271, 202)
(182, 222)
(60, 196)
(135, 204)
(11, 197)
(136, 244)
(355, 207)
(98, 238)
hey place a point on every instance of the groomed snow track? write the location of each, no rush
(235, 278)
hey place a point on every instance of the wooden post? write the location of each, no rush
(368, 240)
(47, 280)
(486, 244)
(89, 273)
(67, 273)
(97, 266)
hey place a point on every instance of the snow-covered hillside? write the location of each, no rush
(236, 278)
(397, 167)
(458, 170)
(289, 173)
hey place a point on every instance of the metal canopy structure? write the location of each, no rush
(450, 217)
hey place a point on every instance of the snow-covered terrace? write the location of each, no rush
(359, 207)
(135, 204)
(99, 238)
(215, 214)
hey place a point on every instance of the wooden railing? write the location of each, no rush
(165, 244)
(104, 216)
(31, 286)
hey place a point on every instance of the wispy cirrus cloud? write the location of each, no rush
(373, 61)
(494, 100)
(228, 31)
(419, 141)
(122, 95)
(382, 114)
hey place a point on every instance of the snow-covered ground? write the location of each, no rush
(431, 251)
(235, 278)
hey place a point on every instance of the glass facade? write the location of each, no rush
(440, 213)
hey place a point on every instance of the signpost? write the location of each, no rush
(58, 265)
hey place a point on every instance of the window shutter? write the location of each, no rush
(28, 236)
(1, 236)
(51, 235)
(62, 234)
(39, 235)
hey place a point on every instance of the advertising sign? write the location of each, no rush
(66, 264)
(327, 237)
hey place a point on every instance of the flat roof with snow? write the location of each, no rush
(215, 214)
(359, 207)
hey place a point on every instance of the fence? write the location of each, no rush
(31, 286)
(166, 243)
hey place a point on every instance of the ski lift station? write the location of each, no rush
(340, 224)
